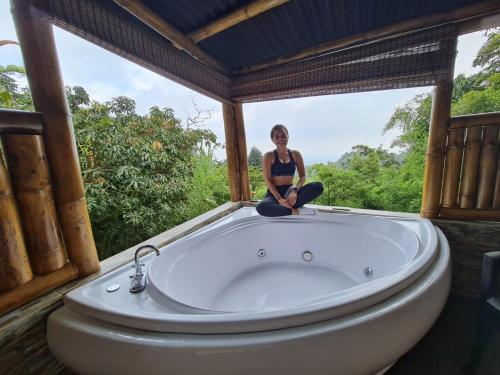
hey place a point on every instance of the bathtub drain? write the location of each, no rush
(261, 253)
(307, 256)
(368, 271)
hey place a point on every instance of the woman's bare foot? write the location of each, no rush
(295, 211)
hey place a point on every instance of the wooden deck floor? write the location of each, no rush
(446, 348)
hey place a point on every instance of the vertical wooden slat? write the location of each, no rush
(242, 152)
(468, 185)
(47, 89)
(436, 148)
(487, 167)
(231, 151)
(15, 269)
(453, 165)
(31, 183)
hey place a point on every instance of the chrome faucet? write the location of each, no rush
(138, 281)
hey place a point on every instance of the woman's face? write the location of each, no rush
(280, 138)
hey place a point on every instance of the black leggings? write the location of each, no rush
(269, 206)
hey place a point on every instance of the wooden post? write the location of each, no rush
(36, 38)
(242, 152)
(232, 151)
(436, 148)
(454, 151)
(15, 268)
(487, 167)
(468, 186)
(29, 174)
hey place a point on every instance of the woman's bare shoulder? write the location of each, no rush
(296, 153)
(269, 154)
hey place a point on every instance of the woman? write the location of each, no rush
(282, 197)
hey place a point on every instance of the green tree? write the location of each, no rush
(488, 56)
(255, 158)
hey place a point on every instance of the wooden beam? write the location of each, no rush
(36, 287)
(436, 148)
(398, 28)
(181, 41)
(242, 152)
(20, 122)
(242, 14)
(480, 119)
(233, 165)
(36, 38)
(469, 213)
(479, 23)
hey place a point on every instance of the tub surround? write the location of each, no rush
(23, 333)
(398, 284)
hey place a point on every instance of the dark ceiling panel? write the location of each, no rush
(189, 15)
(300, 24)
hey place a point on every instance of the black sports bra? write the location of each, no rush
(283, 169)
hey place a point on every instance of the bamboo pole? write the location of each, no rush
(36, 287)
(229, 20)
(178, 39)
(470, 213)
(47, 89)
(31, 183)
(468, 185)
(242, 152)
(232, 151)
(20, 122)
(15, 268)
(434, 157)
(487, 167)
(479, 119)
(452, 168)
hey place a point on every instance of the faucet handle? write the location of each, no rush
(138, 280)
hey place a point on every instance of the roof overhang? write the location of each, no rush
(218, 48)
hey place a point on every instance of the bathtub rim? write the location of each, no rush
(196, 322)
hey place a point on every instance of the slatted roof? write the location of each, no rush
(292, 26)
(294, 48)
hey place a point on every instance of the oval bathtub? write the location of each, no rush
(324, 294)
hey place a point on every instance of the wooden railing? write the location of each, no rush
(33, 259)
(471, 179)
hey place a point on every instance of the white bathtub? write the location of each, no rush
(324, 294)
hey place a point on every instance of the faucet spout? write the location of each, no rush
(138, 280)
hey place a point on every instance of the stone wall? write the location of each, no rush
(469, 240)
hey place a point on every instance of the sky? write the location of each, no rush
(322, 128)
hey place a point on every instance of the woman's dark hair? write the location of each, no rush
(279, 127)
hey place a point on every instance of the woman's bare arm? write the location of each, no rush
(300, 168)
(266, 169)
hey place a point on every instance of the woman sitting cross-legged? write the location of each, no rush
(282, 197)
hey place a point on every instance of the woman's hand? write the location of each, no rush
(292, 198)
(284, 203)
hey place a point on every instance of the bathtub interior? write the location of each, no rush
(260, 264)
(222, 311)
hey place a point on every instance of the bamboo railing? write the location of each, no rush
(471, 179)
(33, 259)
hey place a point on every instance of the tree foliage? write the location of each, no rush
(146, 173)
(255, 158)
